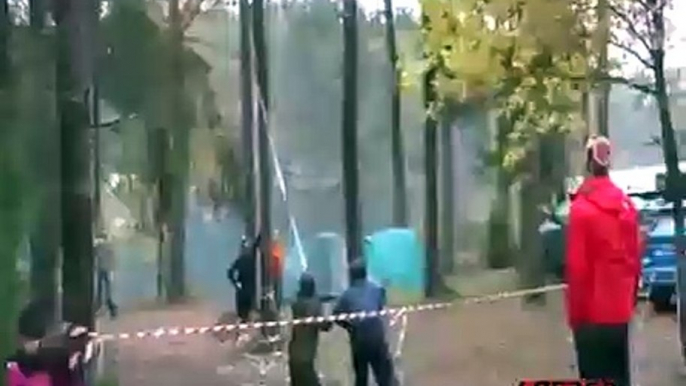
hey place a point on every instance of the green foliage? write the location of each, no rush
(306, 64)
(521, 57)
(138, 78)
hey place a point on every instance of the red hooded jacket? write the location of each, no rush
(603, 263)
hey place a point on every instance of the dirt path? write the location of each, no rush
(486, 345)
(496, 344)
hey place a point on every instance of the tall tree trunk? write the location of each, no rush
(95, 121)
(675, 179)
(533, 193)
(97, 167)
(37, 11)
(45, 237)
(447, 198)
(500, 245)
(10, 202)
(349, 151)
(74, 76)
(178, 160)
(262, 75)
(603, 92)
(431, 184)
(247, 120)
(159, 148)
(5, 58)
(397, 147)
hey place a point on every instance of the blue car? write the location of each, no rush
(659, 261)
(552, 231)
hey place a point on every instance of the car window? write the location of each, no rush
(663, 226)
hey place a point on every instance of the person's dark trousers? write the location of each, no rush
(603, 352)
(303, 373)
(378, 358)
(104, 290)
(278, 297)
(243, 304)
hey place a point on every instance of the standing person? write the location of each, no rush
(368, 343)
(277, 261)
(214, 193)
(242, 275)
(602, 270)
(302, 348)
(105, 261)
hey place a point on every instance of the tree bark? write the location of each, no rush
(10, 203)
(37, 11)
(533, 194)
(45, 237)
(178, 160)
(247, 119)
(5, 59)
(73, 78)
(500, 245)
(675, 179)
(158, 139)
(349, 151)
(431, 185)
(447, 198)
(603, 92)
(397, 146)
(265, 184)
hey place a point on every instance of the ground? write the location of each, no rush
(487, 345)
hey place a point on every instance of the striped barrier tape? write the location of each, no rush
(185, 331)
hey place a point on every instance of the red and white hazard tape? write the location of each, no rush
(184, 331)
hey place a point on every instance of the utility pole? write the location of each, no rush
(247, 119)
(351, 190)
(265, 199)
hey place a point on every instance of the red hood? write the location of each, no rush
(603, 194)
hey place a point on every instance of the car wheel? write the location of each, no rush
(660, 300)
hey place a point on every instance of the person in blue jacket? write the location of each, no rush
(368, 342)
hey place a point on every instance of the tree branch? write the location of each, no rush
(624, 47)
(644, 88)
(631, 26)
(594, 78)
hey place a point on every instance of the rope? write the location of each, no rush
(162, 332)
(278, 171)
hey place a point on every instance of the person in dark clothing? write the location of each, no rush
(46, 349)
(302, 348)
(105, 259)
(368, 342)
(602, 271)
(242, 275)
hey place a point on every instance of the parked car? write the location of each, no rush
(660, 259)
(552, 231)
(640, 183)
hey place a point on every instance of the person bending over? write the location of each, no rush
(369, 346)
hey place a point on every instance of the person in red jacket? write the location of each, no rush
(602, 270)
